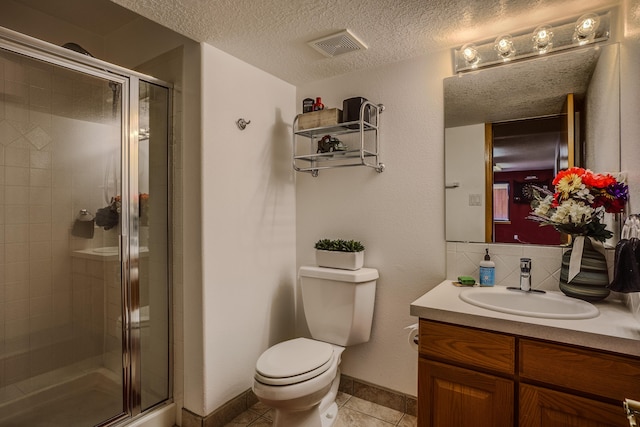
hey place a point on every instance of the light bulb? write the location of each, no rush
(504, 46)
(542, 39)
(470, 54)
(586, 27)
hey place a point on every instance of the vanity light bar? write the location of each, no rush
(579, 31)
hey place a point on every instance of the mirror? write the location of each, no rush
(515, 125)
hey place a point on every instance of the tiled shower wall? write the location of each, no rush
(55, 142)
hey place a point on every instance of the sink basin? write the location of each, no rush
(550, 305)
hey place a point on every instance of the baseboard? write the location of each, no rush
(353, 386)
(223, 415)
(378, 395)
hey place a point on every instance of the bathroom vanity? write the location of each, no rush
(486, 368)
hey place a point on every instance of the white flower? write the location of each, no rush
(583, 194)
(572, 212)
(544, 206)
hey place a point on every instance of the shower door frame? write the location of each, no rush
(129, 255)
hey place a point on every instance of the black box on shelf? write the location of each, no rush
(351, 110)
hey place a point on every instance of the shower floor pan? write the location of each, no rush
(81, 402)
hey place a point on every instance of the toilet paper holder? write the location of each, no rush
(414, 335)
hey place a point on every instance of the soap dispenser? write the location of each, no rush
(487, 270)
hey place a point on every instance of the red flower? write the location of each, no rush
(597, 180)
(575, 170)
(614, 206)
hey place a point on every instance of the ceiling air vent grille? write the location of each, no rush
(337, 44)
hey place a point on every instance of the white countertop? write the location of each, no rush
(614, 329)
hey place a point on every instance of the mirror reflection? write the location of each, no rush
(513, 126)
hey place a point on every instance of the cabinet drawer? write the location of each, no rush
(588, 371)
(471, 347)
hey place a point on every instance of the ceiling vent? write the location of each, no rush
(337, 44)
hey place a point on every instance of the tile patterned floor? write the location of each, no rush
(352, 412)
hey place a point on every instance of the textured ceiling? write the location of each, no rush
(273, 34)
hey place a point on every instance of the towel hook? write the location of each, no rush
(242, 123)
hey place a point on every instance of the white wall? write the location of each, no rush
(630, 105)
(130, 45)
(248, 225)
(20, 17)
(603, 112)
(465, 167)
(398, 214)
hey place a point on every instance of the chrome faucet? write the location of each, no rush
(525, 278)
(525, 274)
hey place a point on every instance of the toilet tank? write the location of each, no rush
(338, 304)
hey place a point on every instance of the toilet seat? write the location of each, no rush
(294, 361)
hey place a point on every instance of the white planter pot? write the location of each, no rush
(342, 260)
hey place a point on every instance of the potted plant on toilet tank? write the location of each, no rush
(339, 253)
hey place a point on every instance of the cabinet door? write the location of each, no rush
(449, 396)
(540, 407)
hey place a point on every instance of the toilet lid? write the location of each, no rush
(294, 361)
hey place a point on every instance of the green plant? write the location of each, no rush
(339, 245)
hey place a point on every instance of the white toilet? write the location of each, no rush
(299, 378)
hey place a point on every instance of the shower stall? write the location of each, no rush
(85, 229)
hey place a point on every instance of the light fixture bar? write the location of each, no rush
(586, 29)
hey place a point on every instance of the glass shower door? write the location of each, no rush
(61, 318)
(85, 308)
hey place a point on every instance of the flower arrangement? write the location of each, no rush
(579, 203)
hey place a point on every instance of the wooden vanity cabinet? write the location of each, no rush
(465, 377)
(468, 376)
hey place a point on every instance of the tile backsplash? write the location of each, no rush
(464, 259)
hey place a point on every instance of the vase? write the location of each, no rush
(341, 260)
(590, 284)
